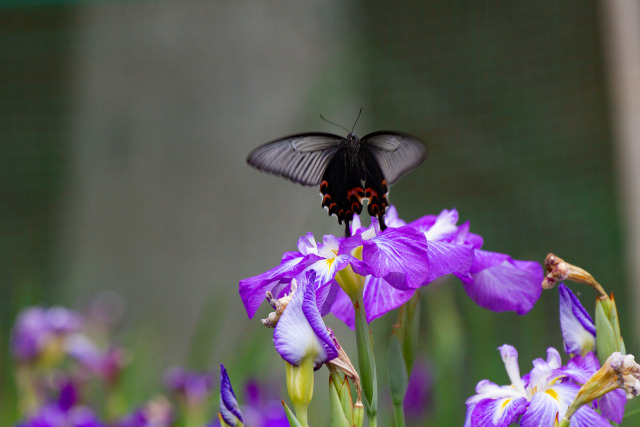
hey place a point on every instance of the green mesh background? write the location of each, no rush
(510, 98)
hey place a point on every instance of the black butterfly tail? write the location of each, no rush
(347, 229)
(383, 226)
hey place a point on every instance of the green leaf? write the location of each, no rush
(293, 421)
(338, 418)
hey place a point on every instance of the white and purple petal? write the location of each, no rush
(578, 329)
(545, 404)
(510, 358)
(300, 332)
(498, 412)
(499, 283)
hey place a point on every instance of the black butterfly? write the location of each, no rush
(349, 170)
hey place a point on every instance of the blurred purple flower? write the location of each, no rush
(104, 364)
(193, 387)
(263, 407)
(36, 329)
(417, 401)
(155, 413)
(53, 416)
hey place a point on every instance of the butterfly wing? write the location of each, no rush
(395, 153)
(301, 158)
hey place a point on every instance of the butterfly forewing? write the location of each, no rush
(301, 158)
(395, 153)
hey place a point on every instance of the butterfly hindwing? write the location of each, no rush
(301, 158)
(375, 186)
(341, 188)
(395, 153)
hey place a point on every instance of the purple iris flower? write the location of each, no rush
(229, 410)
(493, 280)
(36, 328)
(538, 397)
(193, 387)
(398, 261)
(578, 329)
(300, 331)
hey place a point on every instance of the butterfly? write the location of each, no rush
(349, 170)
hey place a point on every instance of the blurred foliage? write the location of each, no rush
(510, 99)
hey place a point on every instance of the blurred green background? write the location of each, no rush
(124, 127)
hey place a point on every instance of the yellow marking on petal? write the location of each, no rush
(551, 392)
(505, 403)
(330, 262)
(335, 252)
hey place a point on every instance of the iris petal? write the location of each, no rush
(300, 330)
(578, 329)
(499, 283)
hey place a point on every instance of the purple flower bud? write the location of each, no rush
(229, 409)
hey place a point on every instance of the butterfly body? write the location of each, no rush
(349, 170)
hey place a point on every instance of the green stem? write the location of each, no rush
(366, 363)
(398, 415)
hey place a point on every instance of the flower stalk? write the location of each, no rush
(366, 363)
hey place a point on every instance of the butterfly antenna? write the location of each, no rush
(357, 118)
(335, 124)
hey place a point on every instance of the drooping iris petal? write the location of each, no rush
(379, 298)
(228, 404)
(399, 255)
(499, 283)
(612, 405)
(300, 332)
(446, 258)
(578, 329)
(588, 417)
(253, 289)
